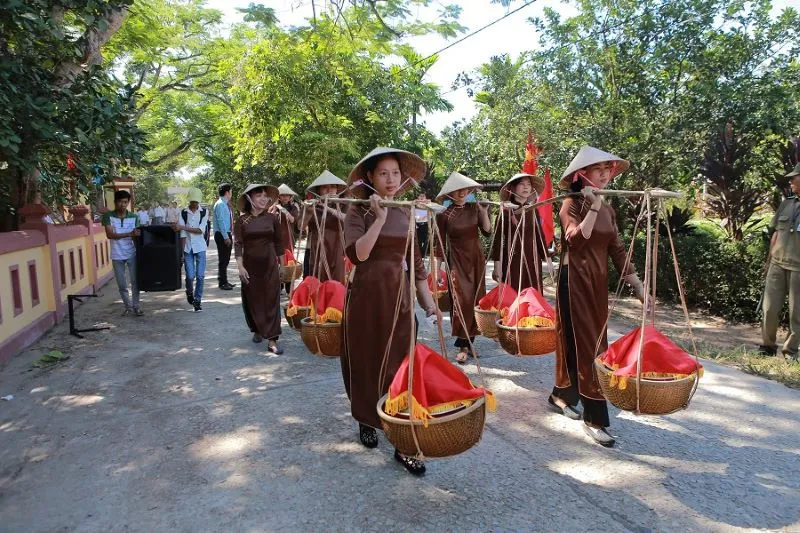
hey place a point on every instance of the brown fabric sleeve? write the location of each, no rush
(278, 238)
(441, 225)
(540, 241)
(571, 217)
(480, 228)
(355, 226)
(238, 243)
(502, 229)
(617, 251)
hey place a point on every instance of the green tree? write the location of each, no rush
(56, 99)
(651, 81)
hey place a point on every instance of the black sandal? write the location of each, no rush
(274, 348)
(414, 466)
(368, 436)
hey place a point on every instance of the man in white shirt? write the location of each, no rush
(144, 218)
(173, 213)
(158, 214)
(192, 225)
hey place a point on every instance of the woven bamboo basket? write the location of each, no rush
(487, 322)
(445, 304)
(325, 340)
(657, 397)
(532, 341)
(445, 436)
(294, 321)
(291, 272)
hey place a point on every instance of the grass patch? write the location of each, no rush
(50, 358)
(776, 368)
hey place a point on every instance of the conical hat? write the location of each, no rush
(456, 182)
(536, 181)
(285, 189)
(588, 156)
(271, 191)
(327, 178)
(411, 165)
(795, 172)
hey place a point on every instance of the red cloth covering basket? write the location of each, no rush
(499, 298)
(442, 285)
(438, 386)
(661, 358)
(328, 302)
(289, 258)
(303, 295)
(530, 309)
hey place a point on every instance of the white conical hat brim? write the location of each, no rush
(411, 165)
(588, 156)
(285, 189)
(793, 173)
(536, 181)
(457, 182)
(327, 178)
(271, 190)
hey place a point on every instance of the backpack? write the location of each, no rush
(207, 231)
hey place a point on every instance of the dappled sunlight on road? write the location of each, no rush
(180, 414)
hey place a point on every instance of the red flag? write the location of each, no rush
(546, 211)
(531, 163)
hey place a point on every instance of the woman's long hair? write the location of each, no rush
(577, 185)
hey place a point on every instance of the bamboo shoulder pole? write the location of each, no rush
(431, 206)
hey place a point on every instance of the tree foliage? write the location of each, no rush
(653, 81)
(56, 99)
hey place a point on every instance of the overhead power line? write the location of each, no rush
(467, 36)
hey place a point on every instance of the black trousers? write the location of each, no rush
(594, 411)
(463, 343)
(422, 237)
(306, 263)
(224, 256)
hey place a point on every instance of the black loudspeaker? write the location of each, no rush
(158, 259)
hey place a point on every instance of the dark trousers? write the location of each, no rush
(594, 411)
(422, 237)
(306, 263)
(463, 343)
(224, 256)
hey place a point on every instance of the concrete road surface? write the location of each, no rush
(176, 421)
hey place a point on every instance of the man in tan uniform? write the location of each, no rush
(784, 273)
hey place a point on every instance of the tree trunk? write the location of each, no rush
(92, 43)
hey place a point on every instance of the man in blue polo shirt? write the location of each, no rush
(223, 235)
(122, 227)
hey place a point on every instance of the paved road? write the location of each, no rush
(177, 421)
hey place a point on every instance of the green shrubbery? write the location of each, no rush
(725, 277)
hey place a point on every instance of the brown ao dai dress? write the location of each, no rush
(529, 243)
(257, 242)
(582, 305)
(331, 252)
(369, 315)
(459, 227)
